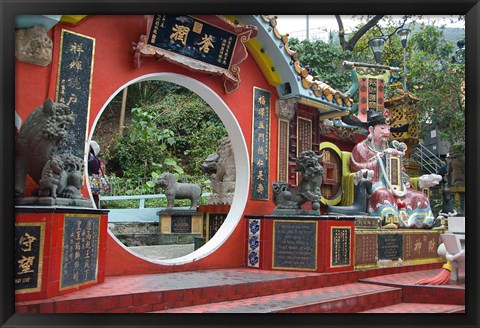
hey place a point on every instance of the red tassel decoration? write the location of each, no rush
(440, 279)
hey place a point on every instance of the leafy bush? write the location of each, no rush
(172, 130)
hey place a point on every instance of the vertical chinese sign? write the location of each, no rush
(283, 134)
(371, 91)
(260, 144)
(74, 84)
(304, 135)
(80, 250)
(29, 244)
(340, 246)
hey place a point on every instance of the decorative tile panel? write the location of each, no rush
(253, 259)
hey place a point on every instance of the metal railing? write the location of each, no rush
(429, 162)
(140, 198)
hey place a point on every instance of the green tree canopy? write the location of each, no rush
(431, 74)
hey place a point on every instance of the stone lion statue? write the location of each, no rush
(40, 137)
(221, 167)
(308, 189)
(175, 190)
(37, 154)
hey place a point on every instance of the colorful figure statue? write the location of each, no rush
(392, 197)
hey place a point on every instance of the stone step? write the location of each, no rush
(160, 291)
(418, 308)
(152, 292)
(348, 298)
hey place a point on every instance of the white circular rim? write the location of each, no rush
(242, 163)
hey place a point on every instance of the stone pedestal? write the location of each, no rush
(180, 226)
(335, 244)
(395, 247)
(213, 218)
(58, 250)
(300, 243)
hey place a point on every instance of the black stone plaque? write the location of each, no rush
(80, 250)
(74, 86)
(181, 224)
(390, 246)
(340, 246)
(29, 241)
(193, 38)
(295, 245)
(214, 223)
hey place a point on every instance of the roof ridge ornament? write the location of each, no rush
(319, 88)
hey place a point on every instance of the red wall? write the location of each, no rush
(114, 67)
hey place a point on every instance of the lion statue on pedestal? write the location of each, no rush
(308, 189)
(37, 154)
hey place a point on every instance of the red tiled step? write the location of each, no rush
(153, 292)
(452, 293)
(347, 298)
(418, 308)
(410, 278)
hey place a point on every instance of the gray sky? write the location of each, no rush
(320, 25)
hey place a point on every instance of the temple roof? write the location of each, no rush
(282, 68)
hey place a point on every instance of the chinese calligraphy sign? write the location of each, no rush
(208, 43)
(421, 245)
(193, 38)
(29, 244)
(340, 246)
(260, 144)
(80, 250)
(75, 70)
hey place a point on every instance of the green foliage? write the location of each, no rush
(325, 60)
(437, 81)
(174, 134)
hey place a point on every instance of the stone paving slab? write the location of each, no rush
(162, 252)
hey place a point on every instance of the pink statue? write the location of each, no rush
(392, 197)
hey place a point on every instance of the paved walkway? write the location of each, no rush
(163, 252)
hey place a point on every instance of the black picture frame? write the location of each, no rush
(10, 8)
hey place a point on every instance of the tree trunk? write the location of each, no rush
(350, 44)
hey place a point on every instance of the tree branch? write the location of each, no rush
(341, 32)
(364, 29)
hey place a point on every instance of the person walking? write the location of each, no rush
(94, 167)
